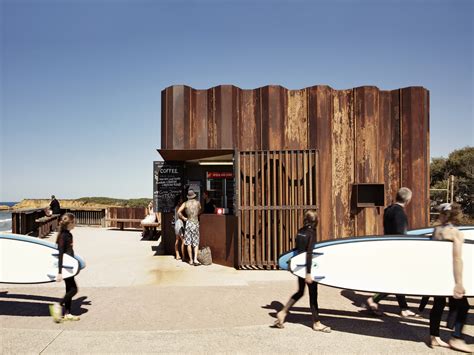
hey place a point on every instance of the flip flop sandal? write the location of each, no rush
(324, 329)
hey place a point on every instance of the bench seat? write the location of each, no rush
(122, 221)
(151, 230)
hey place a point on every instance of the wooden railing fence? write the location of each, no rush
(137, 213)
(89, 217)
(26, 222)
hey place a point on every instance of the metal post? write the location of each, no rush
(452, 188)
(447, 189)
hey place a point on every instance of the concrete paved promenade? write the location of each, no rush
(133, 300)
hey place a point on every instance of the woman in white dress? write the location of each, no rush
(150, 217)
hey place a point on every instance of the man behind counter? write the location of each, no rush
(208, 206)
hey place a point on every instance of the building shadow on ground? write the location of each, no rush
(22, 305)
(158, 249)
(364, 322)
(148, 238)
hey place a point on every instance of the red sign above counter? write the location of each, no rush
(220, 175)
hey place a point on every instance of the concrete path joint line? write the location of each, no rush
(51, 341)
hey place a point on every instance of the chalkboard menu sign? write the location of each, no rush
(168, 184)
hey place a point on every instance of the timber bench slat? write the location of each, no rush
(150, 230)
(121, 221)
(151, 224)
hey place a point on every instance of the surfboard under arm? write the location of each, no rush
(388, 265)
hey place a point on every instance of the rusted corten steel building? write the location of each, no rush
(344, 152)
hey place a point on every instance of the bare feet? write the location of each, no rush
(281, 318)
(320, 327)
(406, 313)
(374, 307)
(460, 345)
(436, 341)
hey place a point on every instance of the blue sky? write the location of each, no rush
(81, 80)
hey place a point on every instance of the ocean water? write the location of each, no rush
(6, 217)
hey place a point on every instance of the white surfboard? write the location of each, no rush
(467, 231)
(388, 264)
(28, 260)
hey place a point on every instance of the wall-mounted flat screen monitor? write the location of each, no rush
(369, 195)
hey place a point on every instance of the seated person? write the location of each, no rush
(151, 216)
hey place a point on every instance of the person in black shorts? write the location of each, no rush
(395, 221)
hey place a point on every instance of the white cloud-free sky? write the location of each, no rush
(81, 80)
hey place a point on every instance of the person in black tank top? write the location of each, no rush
(65, 246)
(305, 240)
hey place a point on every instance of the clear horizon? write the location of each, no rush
(81, 81)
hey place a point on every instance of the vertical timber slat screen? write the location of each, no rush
(276, 188)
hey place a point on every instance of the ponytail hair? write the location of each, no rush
(64, 222)
(311, 219)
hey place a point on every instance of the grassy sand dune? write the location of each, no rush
(84, 202)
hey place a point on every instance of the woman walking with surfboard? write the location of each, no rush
(449, 217)
(305, 239)
(65, 243)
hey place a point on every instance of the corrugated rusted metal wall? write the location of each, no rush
(364, 135)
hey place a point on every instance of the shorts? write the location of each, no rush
(191, 233)
(179, 227)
